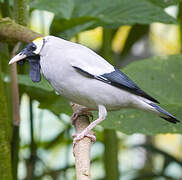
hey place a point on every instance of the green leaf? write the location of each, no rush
(68, 28)
(160, 77)
(164, 3)
(43, 92)
(48, 100)
(55, 103)
(111, 15)
(43, 84)
(63, 8)
(125, 12)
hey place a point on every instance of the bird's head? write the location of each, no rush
(32, 53)
(31, 50)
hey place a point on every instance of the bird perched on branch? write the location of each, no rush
(85, 78)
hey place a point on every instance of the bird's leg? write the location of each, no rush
(80, 111)
(86, 131)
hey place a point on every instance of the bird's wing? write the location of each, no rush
(97, 67)
(118, 79)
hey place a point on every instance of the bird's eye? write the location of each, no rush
(33, 47)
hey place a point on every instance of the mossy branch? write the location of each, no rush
(5, 158)
(13, 32)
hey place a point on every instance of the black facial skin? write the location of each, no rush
(28, 51)
(34, 60)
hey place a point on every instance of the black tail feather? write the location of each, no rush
(167, 116)
(171, 119)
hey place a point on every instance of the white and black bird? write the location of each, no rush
(85, 78)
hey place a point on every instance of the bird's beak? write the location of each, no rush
(18, 57)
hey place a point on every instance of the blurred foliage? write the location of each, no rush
(168, 159)
(111, 15)
(159, 76)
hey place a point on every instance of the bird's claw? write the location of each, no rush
(80, 113)
(78, 137)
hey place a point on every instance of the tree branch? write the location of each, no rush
(82, 149)
(13, 32)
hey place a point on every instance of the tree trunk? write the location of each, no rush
(5, 153)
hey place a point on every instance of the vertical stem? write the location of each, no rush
(15, 93)
(21, 17)
(106, 50)
(110, 155)
(6, 9)
(14, 151)
(5, 154)
(32, 159)
(31, 124)
(16, 118)
(110, 137)
(15, 114)
(7, 87)
(21, 11)
(148, 157)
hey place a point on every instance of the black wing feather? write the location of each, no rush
(120, 80)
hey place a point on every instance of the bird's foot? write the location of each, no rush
(84, 133)
(80, 112)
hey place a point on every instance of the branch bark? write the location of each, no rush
(13, 32)
(82, 149)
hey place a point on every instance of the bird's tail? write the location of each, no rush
(164, 114)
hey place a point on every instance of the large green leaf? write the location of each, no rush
(161, 77)
(44, 93)
(111, 15)
(63, 8)
(42, 85)
(122, 11)
(68, 28)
